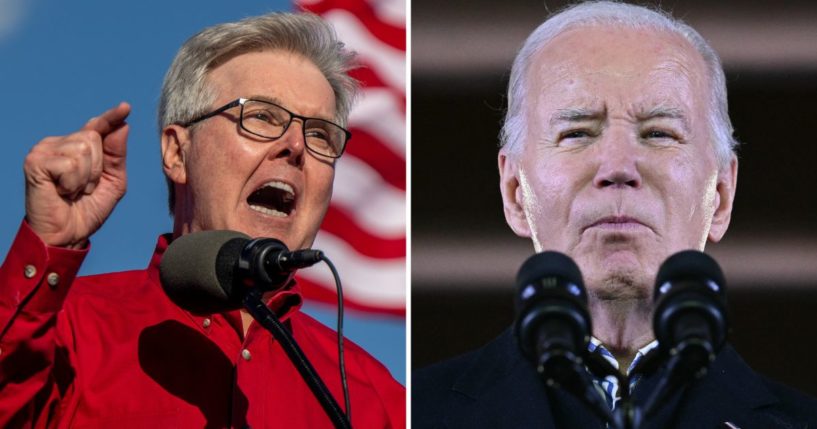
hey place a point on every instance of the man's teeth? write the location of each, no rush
(281, 185)
(274, 198)
(265, 210)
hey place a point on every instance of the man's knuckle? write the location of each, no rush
(84, 148)
(87, 135)
(32, 160)
(71, 165)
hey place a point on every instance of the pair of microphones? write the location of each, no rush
(553, 325)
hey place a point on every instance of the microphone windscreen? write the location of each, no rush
(690, 265)
(549, 264)
(551, 307)
(196, 270)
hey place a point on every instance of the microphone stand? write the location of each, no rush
(269, 320)
(688, 361)
(562, 369)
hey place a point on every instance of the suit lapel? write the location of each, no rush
(501, 389)
(730, 392)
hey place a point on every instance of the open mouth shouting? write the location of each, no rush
(273, 198)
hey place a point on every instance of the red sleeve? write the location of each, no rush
(34, 280)
(391, 393)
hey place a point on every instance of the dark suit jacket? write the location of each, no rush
(495, 387)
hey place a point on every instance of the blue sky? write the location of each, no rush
(63, 62)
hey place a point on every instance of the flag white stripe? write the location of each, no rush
(392, 12)
(374, 204)
(368, 281)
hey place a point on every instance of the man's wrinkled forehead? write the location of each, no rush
(654, 71)
(594, 110)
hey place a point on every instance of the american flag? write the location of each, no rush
(364, 233)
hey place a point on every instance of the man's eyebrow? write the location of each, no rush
(278, 102)
(266, 98)
(664, 112)
(576, 115)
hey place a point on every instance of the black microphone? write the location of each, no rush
(553, 324)
(690, 320)
(210, 271)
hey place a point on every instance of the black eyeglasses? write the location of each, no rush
(271, 121)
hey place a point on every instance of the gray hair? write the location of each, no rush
(628, 16)
(186, 93)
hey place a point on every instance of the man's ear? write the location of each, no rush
(724, 198)
(512, 196)
(175, 139)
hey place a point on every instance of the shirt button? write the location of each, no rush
(53, 280)
(30, 271)
(246, 354)
(206, 323)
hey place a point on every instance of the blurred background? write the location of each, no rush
(465, 258)
(62, 63)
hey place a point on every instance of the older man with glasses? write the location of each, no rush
(116, 351)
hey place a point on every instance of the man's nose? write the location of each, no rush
(291, 145)
(618, 161)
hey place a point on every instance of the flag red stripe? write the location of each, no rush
(369, 78)
(387, 33)
(340, 224)
(316, 292)
(388, 164)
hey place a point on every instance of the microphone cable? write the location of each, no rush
(341, 360)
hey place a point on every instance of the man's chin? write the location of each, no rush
(620, 287)
(620, 282)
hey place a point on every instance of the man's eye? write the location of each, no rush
(576, 137)
(317, 133)
(263, 116)
(575, 134)
(657, 134)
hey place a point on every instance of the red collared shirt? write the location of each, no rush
(115, 352)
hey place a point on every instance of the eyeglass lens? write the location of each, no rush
(271, 121)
